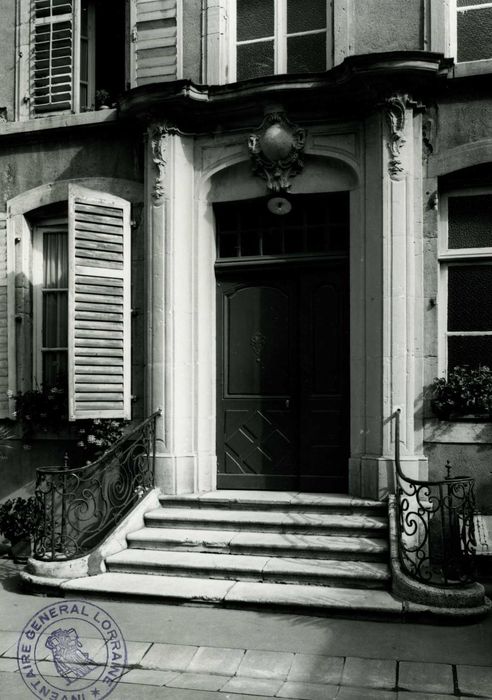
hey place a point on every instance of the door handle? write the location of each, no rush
(287, 403)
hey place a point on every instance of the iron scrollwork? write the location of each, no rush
(436, 533)
(80, 506)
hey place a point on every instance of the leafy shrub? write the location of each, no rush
(465, 391)
(19, 517)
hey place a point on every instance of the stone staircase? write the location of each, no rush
(293, 551)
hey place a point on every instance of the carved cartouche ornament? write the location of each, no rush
(275, 149)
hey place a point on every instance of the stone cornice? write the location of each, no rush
(358, 84)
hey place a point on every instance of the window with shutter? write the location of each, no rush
(99, 315)
(77, 50)
(155, 41)
(4, 347)
(53, 55)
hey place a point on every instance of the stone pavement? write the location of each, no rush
(203, 653)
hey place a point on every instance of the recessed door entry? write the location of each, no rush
(283, 359)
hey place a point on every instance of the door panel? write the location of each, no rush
(283, 379)
(324, 415)
(257, 426)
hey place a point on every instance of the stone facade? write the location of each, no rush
(394, 121)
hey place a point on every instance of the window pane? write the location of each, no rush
(254, 60)
(470, 221)
(475, 34)
(55, 369)
(469, 286)
(255, 19)
(304, 15)
(306, 54)
(55, 320)
(474, 351)
(55, 258)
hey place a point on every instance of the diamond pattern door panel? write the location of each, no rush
(257, 421)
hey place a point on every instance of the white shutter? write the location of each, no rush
(99, 314)
(154, 37)
(52, 67)
(4, 348)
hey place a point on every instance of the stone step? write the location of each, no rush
(266, 521)
(283, 501)
(262, 543)
(282, 596)
(239, 567)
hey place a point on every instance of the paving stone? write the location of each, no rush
(424, 696)
(315, 668)
(252, 686)
(426, 677)
(308, 691)
(370, 673)
(218, 660)
(135, 652)
(347, 693)
(475, 680)
(198, 681)
(265, 664)
(8, 643)
(148, 677)
(8, 665)
(168, 657)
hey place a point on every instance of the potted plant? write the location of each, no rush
(19, 519)
(466, 392)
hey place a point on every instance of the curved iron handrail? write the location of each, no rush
(80, 506)
(435, 526)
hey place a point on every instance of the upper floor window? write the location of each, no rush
(466, 279)
(77, 55)
(280, 36)
(473, 30)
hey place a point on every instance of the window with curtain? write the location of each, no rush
(466, 268)
(50, 274)
(473, 30)
(280, 36)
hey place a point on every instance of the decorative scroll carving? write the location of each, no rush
(275, 149)
(395, 117)
(159, 133)
(159, 148)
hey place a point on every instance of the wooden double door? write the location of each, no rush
(283, 378)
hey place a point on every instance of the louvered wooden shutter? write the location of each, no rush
(99, 322)
(154, 36)
(4, 348)
(52, 56)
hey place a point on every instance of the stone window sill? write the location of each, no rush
(463, 70)
(56, 122)
(467, 430)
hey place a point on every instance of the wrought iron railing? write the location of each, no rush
(435, 526)
(80, 506)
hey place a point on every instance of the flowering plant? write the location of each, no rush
(43, 410)
(19, 517)
(98, 435)
(464, 391)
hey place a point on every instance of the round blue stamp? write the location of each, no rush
(71, 650)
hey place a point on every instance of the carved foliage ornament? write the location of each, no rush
(275, 148)
(158, 135)
(395, 117)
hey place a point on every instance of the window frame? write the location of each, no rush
(452, 257)
(464, 68)
(279, 37)
(38, 231)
